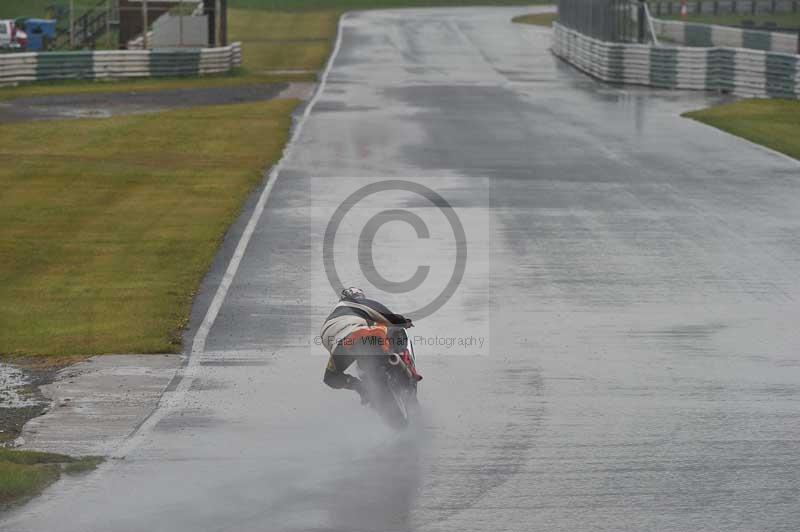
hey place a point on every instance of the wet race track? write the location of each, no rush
(633, 275)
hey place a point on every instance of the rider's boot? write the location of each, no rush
(356, 384)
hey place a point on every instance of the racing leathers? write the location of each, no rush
(357, 328)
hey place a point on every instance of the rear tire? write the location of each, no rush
(393, 407)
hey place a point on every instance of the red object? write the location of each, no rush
(405, 356)
(17, 36)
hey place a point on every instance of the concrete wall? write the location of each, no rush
(170, 32)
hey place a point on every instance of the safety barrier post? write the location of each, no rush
(641, 21)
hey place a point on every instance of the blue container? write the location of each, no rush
(40, 31)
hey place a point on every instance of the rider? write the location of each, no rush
(357, 327)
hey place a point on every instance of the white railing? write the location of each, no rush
(744, 72)
(707, 35)
(118, 64)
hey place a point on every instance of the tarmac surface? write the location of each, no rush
(100, 105)
(93, 406)
(619, 354)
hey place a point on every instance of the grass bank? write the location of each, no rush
(32, 8)
(772, 123)
(284, 41)
(110, 224)
(537, 19)
(23, 474)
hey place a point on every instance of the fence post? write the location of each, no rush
(640, 21)
(144, 24)
(71, 23)
(208, 10)
(223, 23)
(108, 23)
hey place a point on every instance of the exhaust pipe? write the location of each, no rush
(395, 360)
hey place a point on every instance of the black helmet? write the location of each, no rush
(352, 293)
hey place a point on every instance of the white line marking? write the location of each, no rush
(171, 399)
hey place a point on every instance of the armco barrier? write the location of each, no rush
(706, 35)
(117, 64)
(723, 7)
(749, 73)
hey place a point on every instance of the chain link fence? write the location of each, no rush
(607, 20)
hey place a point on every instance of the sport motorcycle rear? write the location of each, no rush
(391, 381)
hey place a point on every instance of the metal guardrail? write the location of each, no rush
(722, 7)
(118, 64)
(740, 71)
(708, 35)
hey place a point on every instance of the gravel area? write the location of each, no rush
(20, 397)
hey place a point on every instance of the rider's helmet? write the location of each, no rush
(352, 293)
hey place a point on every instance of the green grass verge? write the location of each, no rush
(19, 481)
(771, 123)
(28, 8)
(82, 464)
(537, 19)
(31, 457)
(783, 20)
(26, 473)
(110, 224)
(277, 40)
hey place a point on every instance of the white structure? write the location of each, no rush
(138, 42)
(171, 31)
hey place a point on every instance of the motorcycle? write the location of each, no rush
(391, 381)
